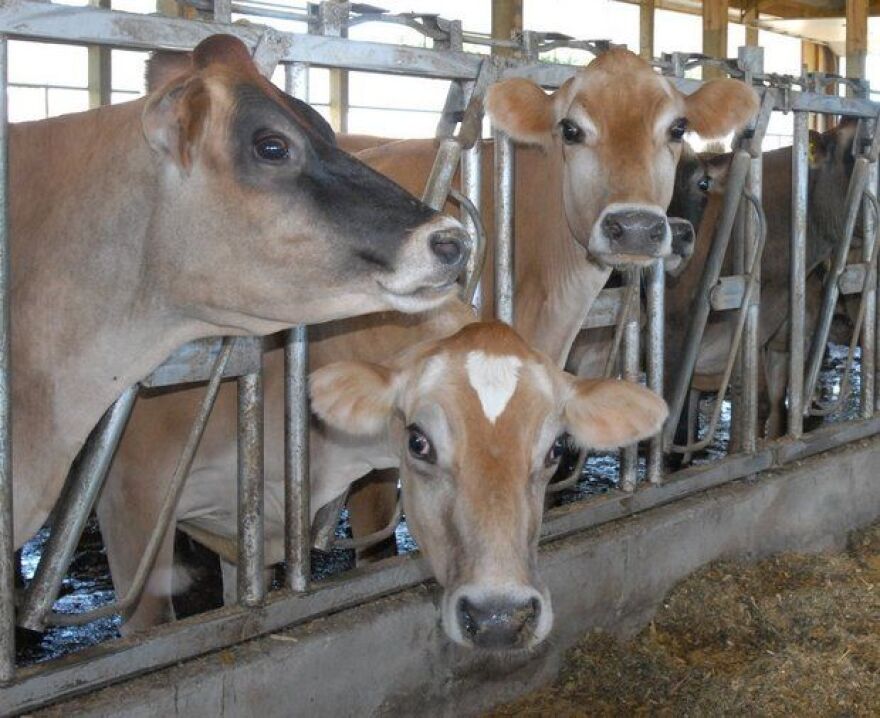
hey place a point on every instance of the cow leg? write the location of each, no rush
(776, 375)
(371, 505)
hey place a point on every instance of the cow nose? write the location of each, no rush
(634, 229)
(498, 624)
(449, 246)
(682, 237)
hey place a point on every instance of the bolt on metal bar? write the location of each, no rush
(655, 288)
(797, 273)
(504, 218)
(629, 457)
(169, 504)
(251, 545)
(854, 197)
(7, 538)
(297, 536)
(72, 511)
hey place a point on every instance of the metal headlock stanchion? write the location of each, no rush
(740, 165)
(855, 196)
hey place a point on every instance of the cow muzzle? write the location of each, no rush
(498, 620)
(428, 268)
(683, 240)
(630, 234)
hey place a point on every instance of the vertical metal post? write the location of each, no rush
(7, 541)
(629, 457)
(869, 341)
(656, 284)
(72, 511)
(223, 11)
(297, 537)
(750, 351)
(797, 273)
(251, 562)
(504, 216)
(471, 184)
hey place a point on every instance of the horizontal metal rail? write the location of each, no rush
(95, 667)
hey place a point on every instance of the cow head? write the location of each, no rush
(618, 126)
(297, 230)
(477, 421)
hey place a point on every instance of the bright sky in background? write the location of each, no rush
(52, 79)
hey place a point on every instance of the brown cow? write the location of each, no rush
(216, 205)
(591, 193)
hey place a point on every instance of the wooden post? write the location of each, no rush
(751, 15)
(856, 37)
(507, 17)
(646, 29)
(715, 17)
(100, 68)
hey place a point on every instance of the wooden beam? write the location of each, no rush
(100, 68)
(856, 37)
(715, 18)
(507, 17)
(646, 29)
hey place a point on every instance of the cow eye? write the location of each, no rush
(556, 451)
(419, 446)
(272, 148)
(704, 183)
(571, 133)
(677, 129)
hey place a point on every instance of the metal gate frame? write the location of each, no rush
(298, 602)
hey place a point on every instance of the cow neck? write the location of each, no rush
(81, 330)
(556, 281)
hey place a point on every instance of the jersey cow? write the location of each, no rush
(215, 205)
(594, 176)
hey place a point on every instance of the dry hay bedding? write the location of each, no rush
(793, 635)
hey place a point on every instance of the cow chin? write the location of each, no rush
(420, 300)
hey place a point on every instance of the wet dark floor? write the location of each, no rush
(88, 583)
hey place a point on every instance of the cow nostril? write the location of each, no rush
(448, 246)
(613, 228)
(466, 618)
(533, 613)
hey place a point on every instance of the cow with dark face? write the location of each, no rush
(215, 205)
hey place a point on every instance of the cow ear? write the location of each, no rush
(608, 413)
(522, 109)
(173, 120)
(719, 107)
(354, 397)
(818, 148)
(163, 66)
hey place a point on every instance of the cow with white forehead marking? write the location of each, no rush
(476, 422)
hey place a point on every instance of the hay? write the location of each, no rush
(791, 635)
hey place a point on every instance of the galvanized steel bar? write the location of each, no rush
(797, 273)
(251, 547)
(442, 172)
(72, 511)
(471, 185)
(869, 337)
(297, 537)
(7, 539)
(504, 227)
(750, 349)
(655, 287)
(739, 167)
(629, 457)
